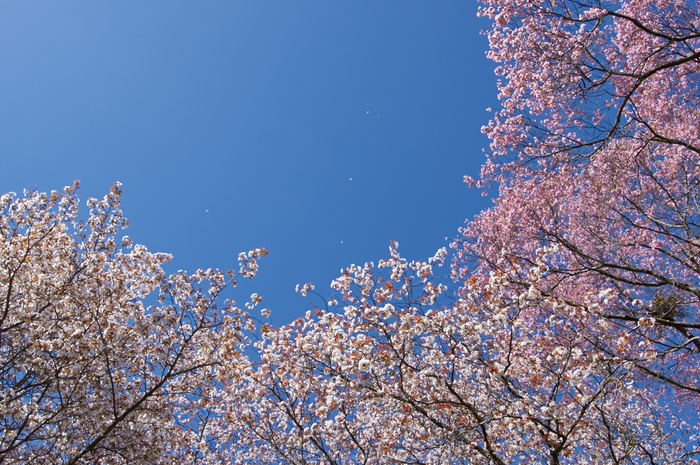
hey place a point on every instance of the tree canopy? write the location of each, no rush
(92, 369)
(564, 330)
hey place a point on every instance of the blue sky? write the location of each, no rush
(320, 130)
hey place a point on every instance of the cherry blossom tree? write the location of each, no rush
(596, 153)
(394, 375)
(104, 359)
(596, 156)
(596, 147)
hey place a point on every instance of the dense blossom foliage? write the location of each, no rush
(596, 149)
(596, 153)
(392, 375)
(103, 358)
(597, 156)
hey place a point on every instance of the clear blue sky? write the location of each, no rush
(320, 129)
